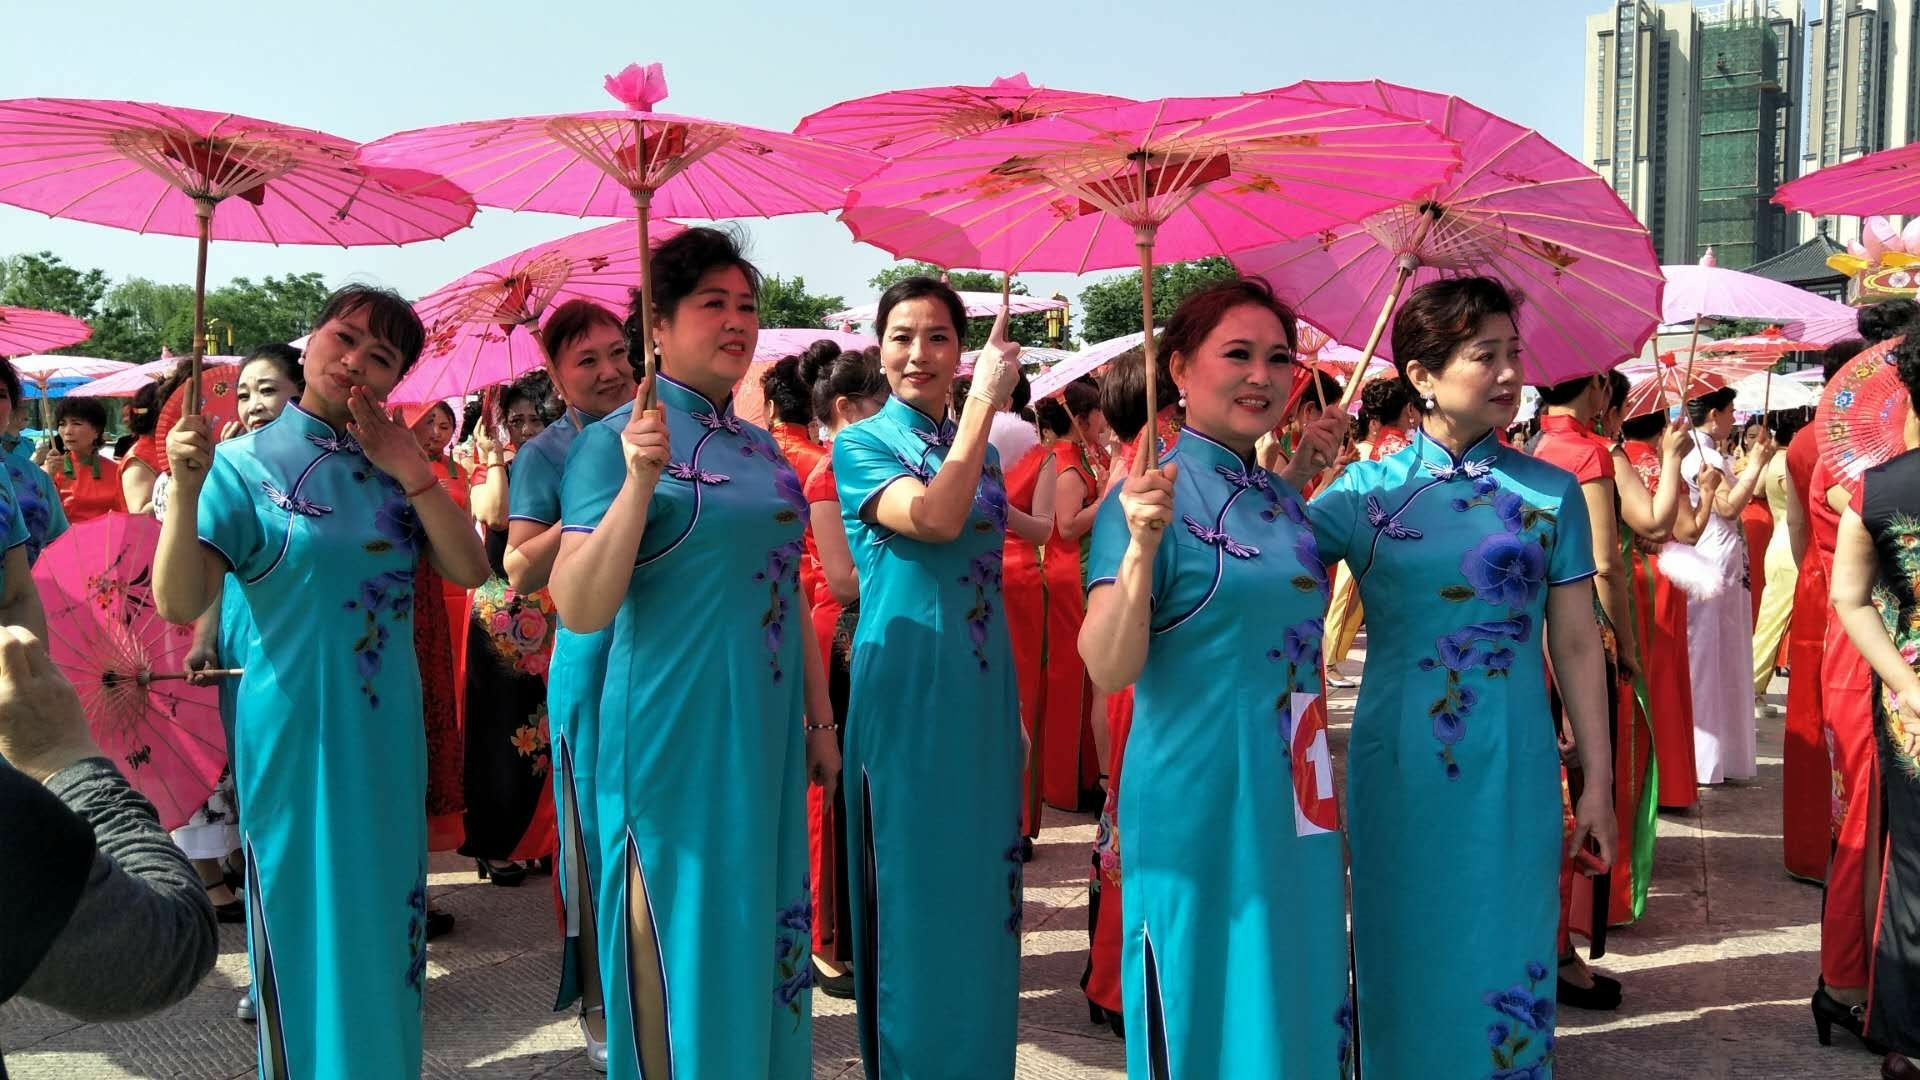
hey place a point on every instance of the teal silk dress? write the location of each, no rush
(35, 495)
(13, 526)
(329, 758)
(574, 675)
(707, 922)
(1234, 942)
(931, 770)
(1453, 774)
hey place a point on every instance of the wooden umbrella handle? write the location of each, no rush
(1403, 269)
(179, 676)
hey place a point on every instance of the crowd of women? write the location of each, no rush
(782, 708)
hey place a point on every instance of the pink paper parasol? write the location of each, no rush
(900, 122)
(107, 638)
(1519, 210)
(482, 328)
(1653, 384)
(749, 402)
(1085, 362)
(1884, 183)
(1861, 420)
(30, 330)
(1707, 290)
(127, 382)
(158, 168)
(1180, 178)
(631, 162)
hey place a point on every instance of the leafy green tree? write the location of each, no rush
(250, 314)
(43, 280)
(1111, 308)
(133, 319)
(785, 302)
(1029, 329)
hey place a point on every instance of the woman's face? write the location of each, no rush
(1238, 379)
(524, 420)
(593, 372)
(708, 341)
(261, 393)
(434, 430)
(79, 436)
(1479, 389)
(343, 354)
(920, 351)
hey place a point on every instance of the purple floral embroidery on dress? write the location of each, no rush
(686, 470)
(792, 951)
(396, 526)
(1389, 524)
(417, 935)
(984, 575)
(336, 444)
(1525, 1020)
(942, 435)
(1343, 1019)
(1219, 538)
(759, 449)
(384, 599)
(1470, 469)
(781, 574)
(786, 484)
(1016, 874)
(293, 504)
(1299, 650)
(990, 498)
(917, 471)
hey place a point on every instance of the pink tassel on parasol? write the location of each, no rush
(1862, 418)
(106, 637)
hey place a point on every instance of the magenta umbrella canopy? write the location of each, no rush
(1884, 183)
(1519, 210)
(143, 167)
(30, 330)
(481, 328)
(899, 122)
(1203, 176)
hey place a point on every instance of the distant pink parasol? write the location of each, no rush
(900, 122)
(30, 330)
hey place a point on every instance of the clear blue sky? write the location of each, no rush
(363, 69)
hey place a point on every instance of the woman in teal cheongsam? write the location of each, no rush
(320, 516)
(682, 529)
(588, 361)
(33, 489)
(1466, 553)
(1206, 593)
(933, 741)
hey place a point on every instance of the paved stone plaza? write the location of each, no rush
(1717, 976)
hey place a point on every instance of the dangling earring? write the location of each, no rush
(1183, 399)
(1427, 403)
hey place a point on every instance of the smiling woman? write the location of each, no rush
(320, 515)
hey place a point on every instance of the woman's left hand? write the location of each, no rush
(823, 762)
(1593, 820)
(387, 443)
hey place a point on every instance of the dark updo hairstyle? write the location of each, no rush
(1123, 393)
(1905, 358)
(1561, 393)
(143, 410)
(1835, 356)
(10, 382)
(285, 360)
(570, 322)
(921, 288)
(1330, 390)
(1645, 428)
(87, 410)
(1710, 402)
(469, 419)
(1618, 387)
(1888, 318)
(789, 395)
(1022, 393)
(389, 318)
(1441, 316)
(677, 267)
(533, 388)
(832, 372)
(1200, 312)
(1386, 400)
(1078, 400)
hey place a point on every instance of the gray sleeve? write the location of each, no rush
(143, 935)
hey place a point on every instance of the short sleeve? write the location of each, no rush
(227, 518)
(13, 521)
(1572, 556)
(821, 487)
(533, 487)
(1110, 538)
(864, 467)
(594, 471)
(1332, 514)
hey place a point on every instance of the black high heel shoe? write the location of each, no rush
(1097, 1014)
(1829, 1012)
(507, 877)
